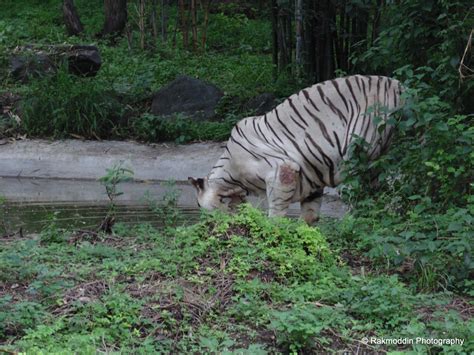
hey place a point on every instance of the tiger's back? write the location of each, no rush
(315, 126)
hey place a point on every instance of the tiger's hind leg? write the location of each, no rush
(311, 206)
(281, 187)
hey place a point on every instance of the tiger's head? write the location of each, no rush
(211, 195)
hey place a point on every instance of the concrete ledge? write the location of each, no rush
(88, 160)
(67, 171)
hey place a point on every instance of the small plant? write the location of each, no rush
(167, 209)
(303, 326)
(115, 175)
(51, 232)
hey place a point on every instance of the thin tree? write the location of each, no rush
(153, 18)
(184, 23)
(205, 8)
(299, 35)
(164, 20)
(141, 22)
(115, 16)
(193, 11)
(176, 23)
(71, 18)
(275, 48)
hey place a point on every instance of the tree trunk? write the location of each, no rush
(282, 41)
(115, 16)
(184, 24)
(194, 24)
(176, 24)
(206, 23)
(289, 37)
(153, 17)
(299, 36)
(310, 41)
(341, 60)
(164, 20)
(362, 24)
(275, 48)
(71, 18)
(141, 23)
(330, 38)
(325, 38)
(376, 20)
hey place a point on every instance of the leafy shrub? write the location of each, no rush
(15, 266)
(51, 233)
(381, 300)
(16, 317)
(433, 156)
(419, 211)
(302, 326)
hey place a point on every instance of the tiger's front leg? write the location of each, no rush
(281, 187)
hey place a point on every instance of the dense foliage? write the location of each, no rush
(419, 211)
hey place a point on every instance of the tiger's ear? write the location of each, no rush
(197, 183)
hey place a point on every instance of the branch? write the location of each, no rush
(462, 66)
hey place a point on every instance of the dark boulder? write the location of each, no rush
(261, 104)
(84, 60)
(189, 96)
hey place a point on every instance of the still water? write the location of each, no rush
(30, 204)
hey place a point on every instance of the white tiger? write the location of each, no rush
(291, 153)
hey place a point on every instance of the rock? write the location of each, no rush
(189, 96)
(261, 104)
(23, 66)
(84, 60)
(29, 61)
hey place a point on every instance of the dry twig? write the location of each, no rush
(464, 71)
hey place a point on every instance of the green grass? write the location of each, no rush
(240, 283)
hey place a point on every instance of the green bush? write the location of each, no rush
(413, 207)
(303, 326)
(420, 208)
(383, 300)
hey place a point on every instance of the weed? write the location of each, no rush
(115, 176)
(167, 208)
(51, 233)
